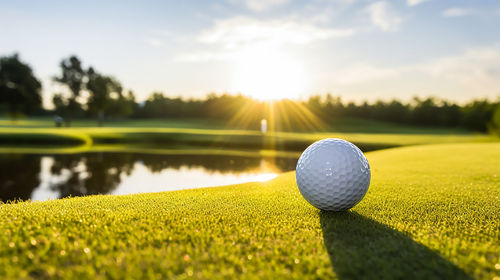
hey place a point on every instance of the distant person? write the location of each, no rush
(263, 126)
(58, 120)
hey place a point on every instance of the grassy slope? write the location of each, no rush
(369, 135)
(184, 123)
(339, 125)
(431, 212)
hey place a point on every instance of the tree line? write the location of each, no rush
(20, 93)
(479, 115)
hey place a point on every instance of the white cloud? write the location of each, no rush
(412, 3)
(324, 11)
(456, 12)
(471, 74)
(239, 31)
(226, 38)
(479, 67)
(383, 17)
(260, 5)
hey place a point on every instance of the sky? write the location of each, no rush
(356, 49)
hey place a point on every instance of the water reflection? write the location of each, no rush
(18, 176)
(40, 177)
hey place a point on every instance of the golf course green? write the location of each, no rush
(366, 134)
(250, 139)
(432, 212)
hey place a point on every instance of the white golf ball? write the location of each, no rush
(333, 174)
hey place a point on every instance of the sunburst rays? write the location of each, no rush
(281, 115)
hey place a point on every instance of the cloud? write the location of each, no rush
(473, 73)
(412, 3)
(260, 5)
(227, 38)
(456, 12)
(383, 17)
(235, 32)
(478, 67)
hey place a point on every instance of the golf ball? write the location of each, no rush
(333, 174)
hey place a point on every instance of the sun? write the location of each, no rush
(268, 75)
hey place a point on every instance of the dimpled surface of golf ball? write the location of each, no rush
(333, 174)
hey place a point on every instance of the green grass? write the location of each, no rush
(349, 125)
(431, 212)
(173, 123)
(368, 135)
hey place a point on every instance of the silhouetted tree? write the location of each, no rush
(101, 89)
(395, 110)
(73, 76)
(315, 104)
(333, 106)
(124, 106)
(19, 88)
(477, 114)
(494, 124)
(425, 111)
(60, 104)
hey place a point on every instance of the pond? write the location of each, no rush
(51, 176)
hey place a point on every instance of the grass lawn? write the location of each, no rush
(368, 135)
(432, 212)
(348, 125)
(78, 123)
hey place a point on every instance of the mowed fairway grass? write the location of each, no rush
(368, 135)
(432, 212)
